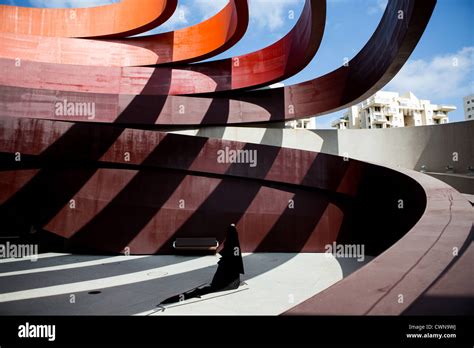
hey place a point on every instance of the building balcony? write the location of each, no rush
(391, 111)
(446, 108)
(379, 119)
(375, 101)
(335, 123)
(439, 115)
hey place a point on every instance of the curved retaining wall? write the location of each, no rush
(129, 196)
(434, 147)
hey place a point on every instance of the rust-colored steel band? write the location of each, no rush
(375, 65)
(194, 43)
(108, 159)
(263, 67)
(127, 17)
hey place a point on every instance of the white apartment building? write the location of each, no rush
(469, 107)
(303, 123)
(390, 109)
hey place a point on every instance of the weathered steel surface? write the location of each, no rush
(374, 66)
(263, 67)
(193, 43)
(127, 17)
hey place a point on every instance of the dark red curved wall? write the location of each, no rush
(138, 202)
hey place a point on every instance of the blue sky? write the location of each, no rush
(440, 69)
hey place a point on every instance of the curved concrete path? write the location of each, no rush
(274, 283)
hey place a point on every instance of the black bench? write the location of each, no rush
(196, 244)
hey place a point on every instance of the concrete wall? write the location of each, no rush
(434, 147)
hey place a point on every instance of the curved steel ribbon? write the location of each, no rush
(127, 17)
(256, 69)
(376, 64)
(193, 43)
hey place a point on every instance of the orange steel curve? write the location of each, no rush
(127, 17)
(374, 66)
(190, 44)
(263, 67)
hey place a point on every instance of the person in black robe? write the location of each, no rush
(231, 265)
(227, 276)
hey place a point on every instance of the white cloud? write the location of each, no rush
(442, 77)
(208, 8)
(179, 19)
(271, 14)
(265, 14)
(69, 3)
(188, 13)
(378, 6)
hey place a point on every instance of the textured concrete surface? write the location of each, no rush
(462, 183)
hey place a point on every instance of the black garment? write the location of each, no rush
(231, 265)
(227, 276)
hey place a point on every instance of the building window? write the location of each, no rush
(377, 109)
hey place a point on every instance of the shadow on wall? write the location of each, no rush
(329, 138)
(387, 206)
(449, 144)
(431, 148)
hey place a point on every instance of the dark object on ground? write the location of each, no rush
(196, 245)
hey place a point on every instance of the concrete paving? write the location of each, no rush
(121, 285)
(469, 197)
